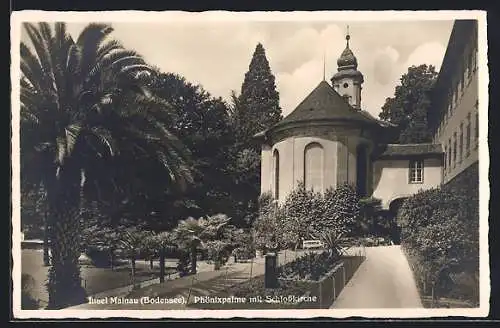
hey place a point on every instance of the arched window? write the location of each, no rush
(313, 166)
(276, 161)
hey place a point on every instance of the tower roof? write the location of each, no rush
(324, 103)
(347, 64)
(347, 59)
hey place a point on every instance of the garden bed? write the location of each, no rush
(293, 292)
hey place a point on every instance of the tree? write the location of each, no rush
(133, 242)
(202, 122)
(254, 110)
(165, 241)
(89, 127)
(258, 104)
(409, 108)
(192, 233)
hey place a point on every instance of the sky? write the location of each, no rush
(216, 54)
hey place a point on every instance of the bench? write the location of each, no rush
(306, 244)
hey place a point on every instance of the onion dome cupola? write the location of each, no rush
(347, 81)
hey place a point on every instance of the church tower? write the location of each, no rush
(348, 80)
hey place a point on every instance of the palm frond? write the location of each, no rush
(31, 67)
(72, 134)
(106, 48)
(89, 42)
(106, 138)
(41, 45)
(61, 150)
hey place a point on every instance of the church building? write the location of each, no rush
(328, 140)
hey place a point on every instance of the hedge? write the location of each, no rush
(440, 236)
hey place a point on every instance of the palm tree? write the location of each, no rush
(133, 242)
(88, 122)
(165, 242)
(191, 233)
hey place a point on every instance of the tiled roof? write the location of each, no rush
(324, 103)
(397, 150)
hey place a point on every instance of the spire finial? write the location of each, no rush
(347, 37)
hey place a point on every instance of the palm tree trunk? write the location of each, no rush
(64, 285)
(193, 259)
(46, 256)
(132, 261)
(162, 265)
(112, 258)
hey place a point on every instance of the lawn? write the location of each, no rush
(94, 280)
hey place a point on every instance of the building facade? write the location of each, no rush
(455, 122)
(329, 139)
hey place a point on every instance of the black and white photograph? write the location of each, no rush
(261, 164)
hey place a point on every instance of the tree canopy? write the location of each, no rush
(410, 105)
(254, 110)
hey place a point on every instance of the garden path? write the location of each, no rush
(384, 280)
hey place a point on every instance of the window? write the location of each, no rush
(474, 59)
(449, 154)
(454, 149)
(462, 80)
(466, 73)
(313, 167)
(461, 143)
(467, 136)
(445, 157)
(276, 157)
(416, 171)
(470, 63)
(477, 129)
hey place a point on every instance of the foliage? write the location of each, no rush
(33, 212)
(305, 214)
(266, 230)
(259, 101)
(191, 234)
(311, 266)
(373, 222)
(302, 208)
(440, 236)
(334, 241)
(89, 127)
(217, 252)
(133, 242)
(240, 242)
(202, 122)
(340, 210)
(254, 110)
(410, 106)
